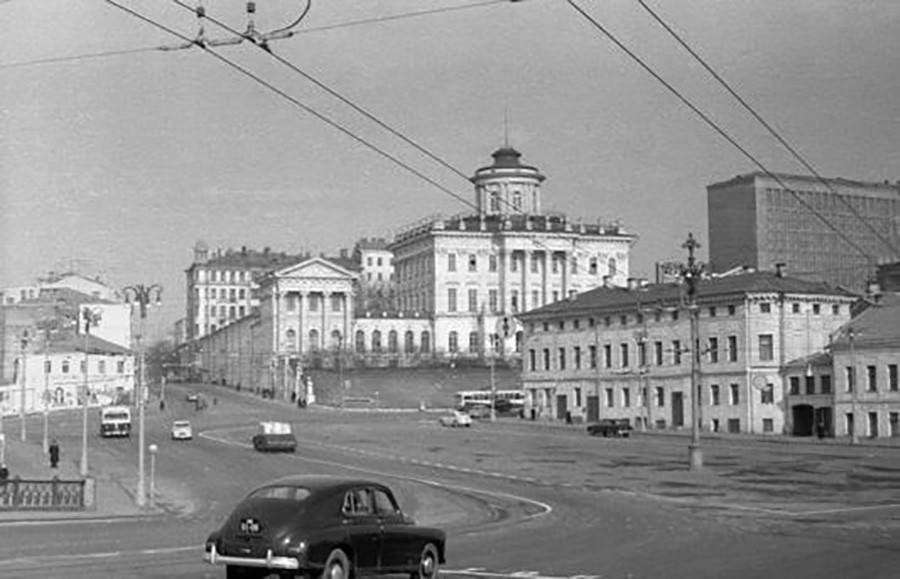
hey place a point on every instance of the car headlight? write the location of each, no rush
(295, 548)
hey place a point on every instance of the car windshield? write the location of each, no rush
(181, 424)
(282, 492)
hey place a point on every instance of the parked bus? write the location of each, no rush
(468, 399)
(115, 421)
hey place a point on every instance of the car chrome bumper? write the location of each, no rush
(269, 562)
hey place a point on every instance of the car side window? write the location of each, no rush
(358, 502)
(384, 503)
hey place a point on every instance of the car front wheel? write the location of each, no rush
(337, 566)
(429, 563)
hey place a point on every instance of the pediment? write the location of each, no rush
(315, 267)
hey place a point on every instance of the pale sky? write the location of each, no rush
(119, 164)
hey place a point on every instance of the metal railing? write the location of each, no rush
(17, 494)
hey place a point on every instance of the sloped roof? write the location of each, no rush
(95, 345)
(879, 323)
(671, 294)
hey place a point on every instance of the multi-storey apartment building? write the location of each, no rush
(376, 281)
(509, 255)
(834, 231)
(221, 286)
(626, 352)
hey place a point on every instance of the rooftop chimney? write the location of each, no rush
(780, 268)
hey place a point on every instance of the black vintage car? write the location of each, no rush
(610, 427)
(328, 527)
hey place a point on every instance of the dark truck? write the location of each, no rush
(611, 427)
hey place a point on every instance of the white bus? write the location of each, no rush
(466, 399)
(115, 421)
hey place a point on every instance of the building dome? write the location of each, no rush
(508, 186)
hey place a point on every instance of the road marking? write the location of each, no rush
(84, 521)
(544, 508)
(95, 556)
(481, 572)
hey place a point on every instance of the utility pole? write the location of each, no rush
(25, 340)
(854, 437)
(91, 318)
(691, 274)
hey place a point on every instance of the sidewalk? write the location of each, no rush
(115, 487)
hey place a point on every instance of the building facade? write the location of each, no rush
(470, 271)
(754, 221)
(626, 352)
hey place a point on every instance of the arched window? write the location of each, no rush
(360, 341)
(613, 268)
(291, 337)
(520, 339)
(392, 341)
(376, 341)
(453, 342)
(336, 339)
(409, 345)
(473, 342)
(495, 201)
(314, 340)
(425, 343)
(517, 201)
(65, 367)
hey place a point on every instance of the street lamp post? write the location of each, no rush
(153, 448)
(691, 273)
(851, 378)
(91, 318)
(24, 343)
(143, 295)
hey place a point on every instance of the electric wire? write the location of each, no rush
(764, 123)
(359, 109)
(297, 103)
(715, 126)
(304, 31)
(296, 21)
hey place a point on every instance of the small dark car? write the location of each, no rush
(274, 436)
(320, 526)
(607, 427)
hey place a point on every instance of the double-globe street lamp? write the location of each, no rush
(144, 296)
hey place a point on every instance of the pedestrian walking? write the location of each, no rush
(4, 473)
(54, 454)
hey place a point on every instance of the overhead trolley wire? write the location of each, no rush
(296, 102)
(712, 124)
(764, 123)
(359, 109)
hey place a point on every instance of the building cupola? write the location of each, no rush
(507, 187)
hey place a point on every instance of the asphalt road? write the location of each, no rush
(516, 499)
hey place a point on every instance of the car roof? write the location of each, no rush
(316, 482)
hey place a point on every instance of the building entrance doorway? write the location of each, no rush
(803, 419)
(593, 408)
(677, 409)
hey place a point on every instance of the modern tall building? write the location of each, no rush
(837, 231)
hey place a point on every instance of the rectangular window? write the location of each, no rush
(610, 398)
(894, 423)
(513, 264)
(534, 263)
(473, 300)
(642, 353)
(577, 357)
(676, 352)
(871, 379)
(493, 300)
(767, 394)
(735, 394)
(514, 301)
(120, 367)
(713, 350)
(817, 309)
(660, 396)
(473, 262)
(451, 300)
(766, 348)
(712, 312)
(101, 367)
(851, 378)
(810, 384)
(607, 355)
(626, 397)
(734, 425)
(658, 353)
(731, 310)
(492, 263)
(623, 350)
(765, 308)
(451, 262)
(714, 395)
(732, 349)
(336, 302)
(532, 360)
(836, 310)
(546, 353)
(795, 385)
(593, 355)
(892, 377)
(825, 382)
(313, 303)
(562, 358)
(768, 425)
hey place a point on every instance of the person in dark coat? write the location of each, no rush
(54, 454)
(4, 473)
